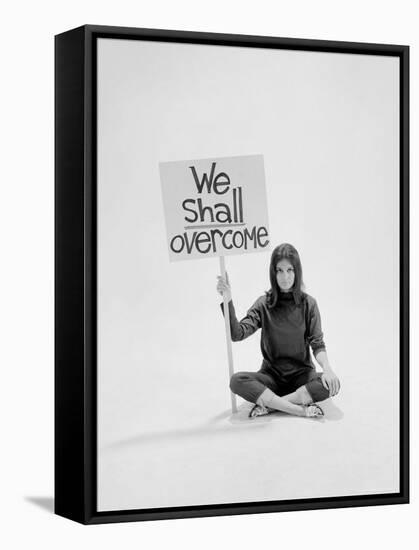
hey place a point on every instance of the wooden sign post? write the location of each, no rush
(228, 336)
(215, 207)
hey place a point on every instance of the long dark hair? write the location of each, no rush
(288, 252)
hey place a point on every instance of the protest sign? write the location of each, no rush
(215, 207)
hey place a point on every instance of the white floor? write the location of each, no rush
(212, 456)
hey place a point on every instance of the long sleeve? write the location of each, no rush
(314, 329)
(247, 326)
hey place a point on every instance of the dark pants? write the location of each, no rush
(250, 385)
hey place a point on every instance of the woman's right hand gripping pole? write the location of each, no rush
(223, 286)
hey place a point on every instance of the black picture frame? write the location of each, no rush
(76, 273)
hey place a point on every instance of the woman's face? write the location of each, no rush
(285, 275)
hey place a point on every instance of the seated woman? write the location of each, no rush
(289, 320)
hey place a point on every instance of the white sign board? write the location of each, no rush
(215, 207)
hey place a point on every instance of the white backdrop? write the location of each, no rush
(27, 276)
(327, 127)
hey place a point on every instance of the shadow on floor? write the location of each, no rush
(224, 423)
(331, 411)
(46, 503)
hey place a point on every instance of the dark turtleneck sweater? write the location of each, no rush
(287, 332)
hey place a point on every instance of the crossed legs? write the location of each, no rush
(262, 389)
(300, 396)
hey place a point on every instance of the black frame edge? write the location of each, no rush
(404, 295)
(90, 273)
(244, 40)
(246, 509)
(69, 383)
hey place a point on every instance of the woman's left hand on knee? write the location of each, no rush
(331, 382)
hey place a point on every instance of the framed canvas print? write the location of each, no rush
(232, 291)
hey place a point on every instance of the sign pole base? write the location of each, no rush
(228, 337)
